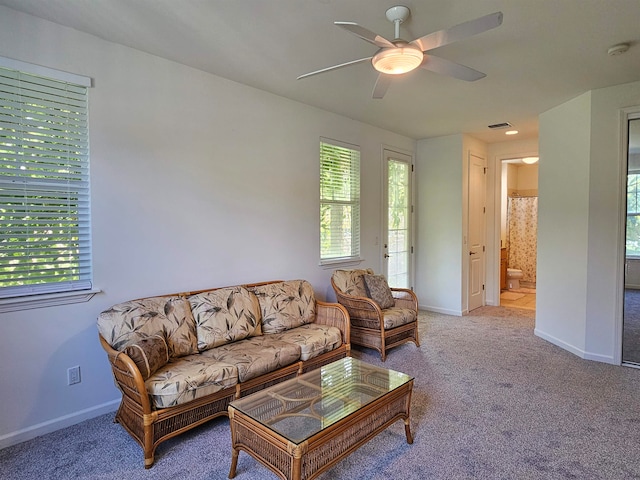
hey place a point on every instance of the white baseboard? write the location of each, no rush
(49, 426)
(445, 311)
(575, 350)
(599, 358)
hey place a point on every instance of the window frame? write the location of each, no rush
(47, 293)
(635, 173)
(350, 201)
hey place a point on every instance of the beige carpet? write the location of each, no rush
(491, 401)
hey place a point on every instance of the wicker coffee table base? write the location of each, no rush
(306, 460)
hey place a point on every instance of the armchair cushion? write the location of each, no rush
(351, 282)
(149, 354)
(394, 317)
(378, 290)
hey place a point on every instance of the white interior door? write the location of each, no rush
(397, 248)
(476, 231)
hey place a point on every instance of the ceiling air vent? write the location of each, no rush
(500, 125)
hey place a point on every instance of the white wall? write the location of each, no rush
(607, 188)
(581, 215)
(563, 223)
(439, 224)
(527, 179)
(442, 255)
(196, 182)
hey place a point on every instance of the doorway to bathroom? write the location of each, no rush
(518, 232)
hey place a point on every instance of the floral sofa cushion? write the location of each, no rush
(351, 282)
(187, 378)
(313, 339)
(224, 316)
(255, 356)
(170, 317)
(286, 305)
(395, 316)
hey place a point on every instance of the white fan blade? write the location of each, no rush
(447, 67)
(335, 67)
(459, 32)
(366, 35)
(382, 84)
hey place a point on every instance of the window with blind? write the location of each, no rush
(44, 185)
(633, 215)
(339, 201)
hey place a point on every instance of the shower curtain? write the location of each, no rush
(522, 216)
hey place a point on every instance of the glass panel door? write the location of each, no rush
(397, 247)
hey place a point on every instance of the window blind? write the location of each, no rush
(339, 201)
(44, 185)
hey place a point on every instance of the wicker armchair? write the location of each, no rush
(371, 326)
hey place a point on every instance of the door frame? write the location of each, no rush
(493, 261)
(384, 212)
(626, 114)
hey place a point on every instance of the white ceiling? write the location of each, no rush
(545, 53)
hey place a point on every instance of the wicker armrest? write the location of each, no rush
(334, 315)
(361, 303)
(405, 298)
(127, 376)
(360, 307)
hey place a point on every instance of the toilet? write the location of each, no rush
(513, 278)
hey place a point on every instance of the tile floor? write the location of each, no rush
(524, 300)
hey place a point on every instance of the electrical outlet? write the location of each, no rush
(73, 375)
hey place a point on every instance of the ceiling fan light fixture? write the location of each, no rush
(399, 60)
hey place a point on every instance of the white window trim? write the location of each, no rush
(345, 262)
(45, 72)
(29, 302)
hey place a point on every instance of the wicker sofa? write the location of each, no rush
(180, 359)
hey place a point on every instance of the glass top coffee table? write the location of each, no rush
(303, 426)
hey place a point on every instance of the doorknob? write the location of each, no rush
(386, 255)
(473, 253)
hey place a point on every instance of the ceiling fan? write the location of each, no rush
(399, 56)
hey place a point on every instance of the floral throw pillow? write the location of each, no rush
(378, 290)
(149, 354)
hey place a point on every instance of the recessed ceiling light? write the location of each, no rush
(511, 132)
